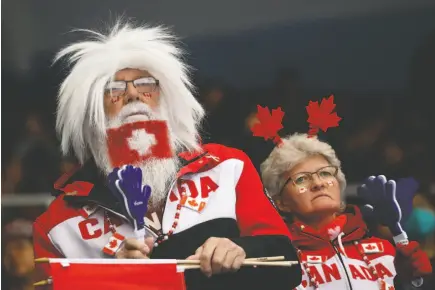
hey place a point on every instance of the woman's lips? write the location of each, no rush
(321, 195)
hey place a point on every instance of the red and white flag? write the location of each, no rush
(315, 259)
(115, 274)
(114, 244)
(192, 203)
(139, 141)
(372, 248)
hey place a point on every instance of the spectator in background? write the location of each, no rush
(68, 164)
(18, 255)
(34, 162)
(222, 114)
(12, 176)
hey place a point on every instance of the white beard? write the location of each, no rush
(157, 173)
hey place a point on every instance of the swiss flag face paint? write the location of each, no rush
(330, 183)
(136, 142)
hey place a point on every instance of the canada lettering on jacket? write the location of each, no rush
(327, 273)
(91, 228)
(189, 188)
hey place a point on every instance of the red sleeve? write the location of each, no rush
(43, 248)
(254, 211)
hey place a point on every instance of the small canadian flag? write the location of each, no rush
(315, 259)
(192, 203)
(372, 248)
(114, 243)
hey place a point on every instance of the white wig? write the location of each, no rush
(80, 101)
(294, 149)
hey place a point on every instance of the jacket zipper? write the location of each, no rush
(338, 254)
(342, 264)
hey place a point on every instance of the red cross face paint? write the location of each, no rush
(136, 142)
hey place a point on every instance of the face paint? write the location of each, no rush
(115, 99)
(302, 189)
(147, 95)
(330, 183)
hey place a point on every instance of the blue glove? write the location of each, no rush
(405, 193)
(383, 204)
(126, 185)
(380, 196)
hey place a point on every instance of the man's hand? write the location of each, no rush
(219, 255)
(411, 261)
(135, 249)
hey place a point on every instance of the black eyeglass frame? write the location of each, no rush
(156, 85)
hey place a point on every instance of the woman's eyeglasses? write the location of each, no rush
(304, 179)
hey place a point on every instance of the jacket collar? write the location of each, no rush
(308, 238)
(87, 185)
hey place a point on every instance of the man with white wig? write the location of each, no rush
(304, 178)
(127, 112)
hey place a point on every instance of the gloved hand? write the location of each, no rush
(406, 190)
(411, 261)
(126, 185)
(380, 196)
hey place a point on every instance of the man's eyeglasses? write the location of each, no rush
(304, 179)
(142, 85)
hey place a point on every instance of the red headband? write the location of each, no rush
(319, 117)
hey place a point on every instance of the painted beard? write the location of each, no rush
(157, 171)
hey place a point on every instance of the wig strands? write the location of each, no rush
(96, 61)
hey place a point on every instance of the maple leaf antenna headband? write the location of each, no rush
(320, 117)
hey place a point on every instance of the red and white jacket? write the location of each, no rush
(346, 257)
(234, 206)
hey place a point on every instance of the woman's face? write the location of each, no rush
(312, 190)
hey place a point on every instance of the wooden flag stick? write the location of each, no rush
(43, 282)
(246, 263)
(276, 258)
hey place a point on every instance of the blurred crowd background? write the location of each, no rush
(377, 59)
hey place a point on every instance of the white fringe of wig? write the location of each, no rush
(95, 62)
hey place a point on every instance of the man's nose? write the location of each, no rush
(131, 94)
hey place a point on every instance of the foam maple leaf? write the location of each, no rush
(321, 116)
(269, 123)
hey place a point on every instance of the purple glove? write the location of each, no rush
(405, 193)
(386, 204)
(126, 185)
(380, 196)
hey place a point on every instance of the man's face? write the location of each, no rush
(141, 90)
(137, 131)
(18, 257)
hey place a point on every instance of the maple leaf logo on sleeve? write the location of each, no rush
(321, 116)
(269, 124)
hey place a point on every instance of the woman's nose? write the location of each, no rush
(316, 182)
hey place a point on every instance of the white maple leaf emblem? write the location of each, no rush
(141, 141)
